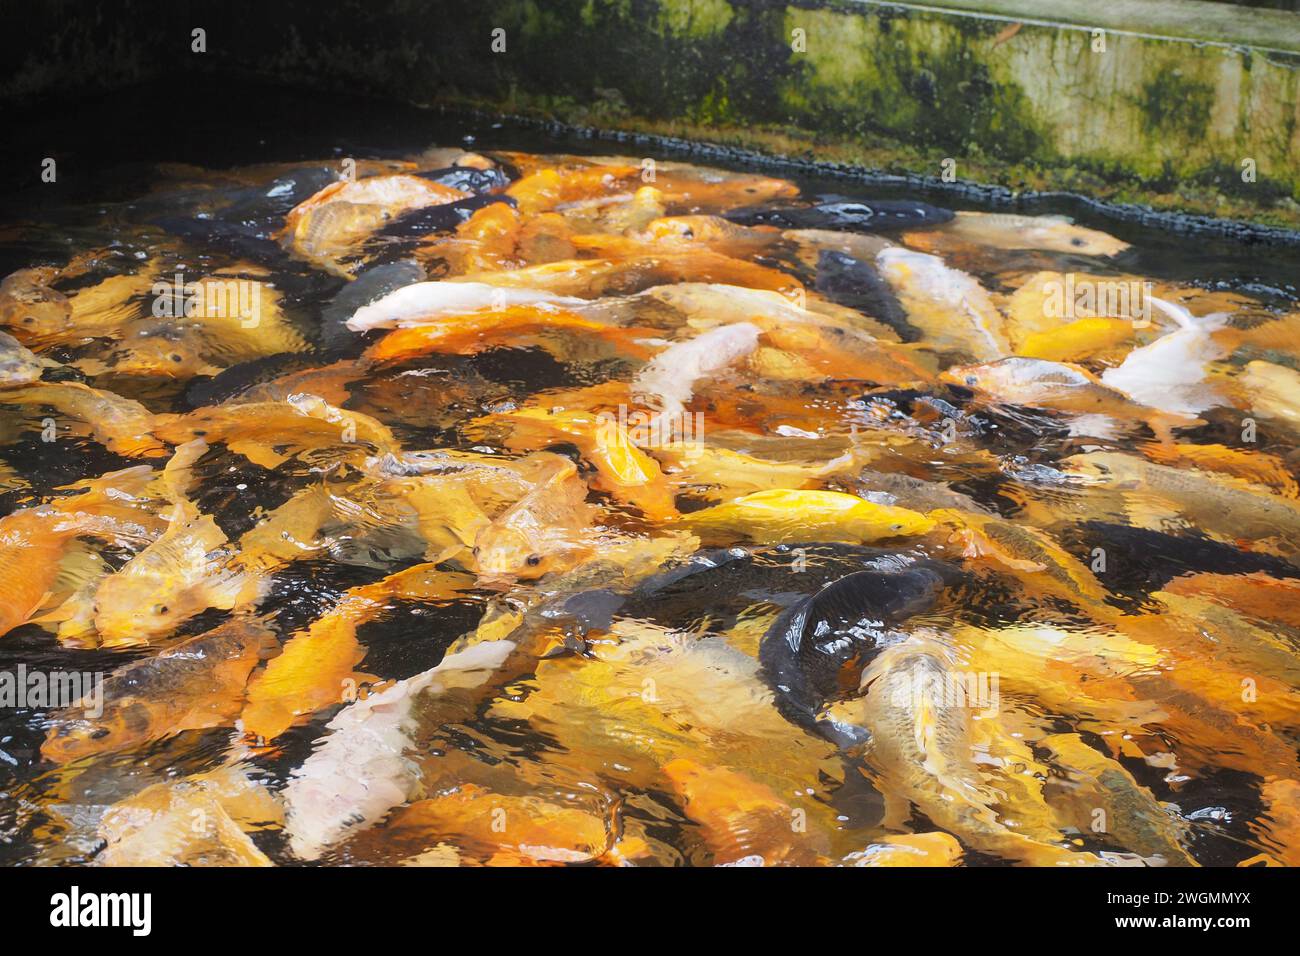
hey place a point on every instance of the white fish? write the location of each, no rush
(668, 380)
(1169, 374)
(424, 303)
(360, 771)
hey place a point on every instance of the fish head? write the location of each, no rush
(72, 736)
(504, 553)
(976, 377)
(160, 355)
(1113, 470)
(1059, 234)
(34, 310)
(133, 608)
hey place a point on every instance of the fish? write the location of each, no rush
(19, 365)
(200, 820)
(786, 516)
(317, 667)
(429, 303)
(923, 750)
(371, 285)
(1012, 231)
(1217, 504)
(121, 425)
(361, 769)
(1027, 553)
(857, 283)
(193, 685)
(547, 530)
(1262, 597)
(31, 308)
(474, 331)
(1274, 391)
(35, 541)
(1129, 815)
(909, 849)
(667, 382)
(503, 829)
(717, 470)
(176, 576)
(840, 628)
(1089, 338)
(848, 214)
(1094, 408)
(744, 823)
(622, 469)
(953, 310)
(269, 433)
(1254, 466)
(1170, 373)
(326, 226)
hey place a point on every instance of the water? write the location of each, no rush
(639, 717)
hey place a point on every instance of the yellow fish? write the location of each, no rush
(785, 516)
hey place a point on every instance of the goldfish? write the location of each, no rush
(786, 516)
(1026, 552)
(622, 469)
(743, 822)
(200, 820)
(264, 432)
(1130, 815)
(1254, 466)
(429, 303)
(1226, 506)
(922, 751)
(30, 307)
(1078, 340)
(19, 365)
(1257, 595)
(34, 541)
(1012, 231)
(909, 849)
(120, 424)
(193, 685)
(953, 309)
(318, 663)
(546, 189)
(475, 330)
(734, 473)
(1094, 407)
(1274, 390)
(507, 829)
(173, 578)
(547, 529)
(323, 228)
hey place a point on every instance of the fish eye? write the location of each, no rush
(1076, 241)
(474, 551)
(174, 357)
(534, 560)
(99, 734)
(29, 320)
(971, 379)
(160, 608)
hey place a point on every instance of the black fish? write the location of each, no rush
(847, 215)
(467, 178)
(231, 382)
(366, 288)
(807, 652)
(441, 218)
(857, 284)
